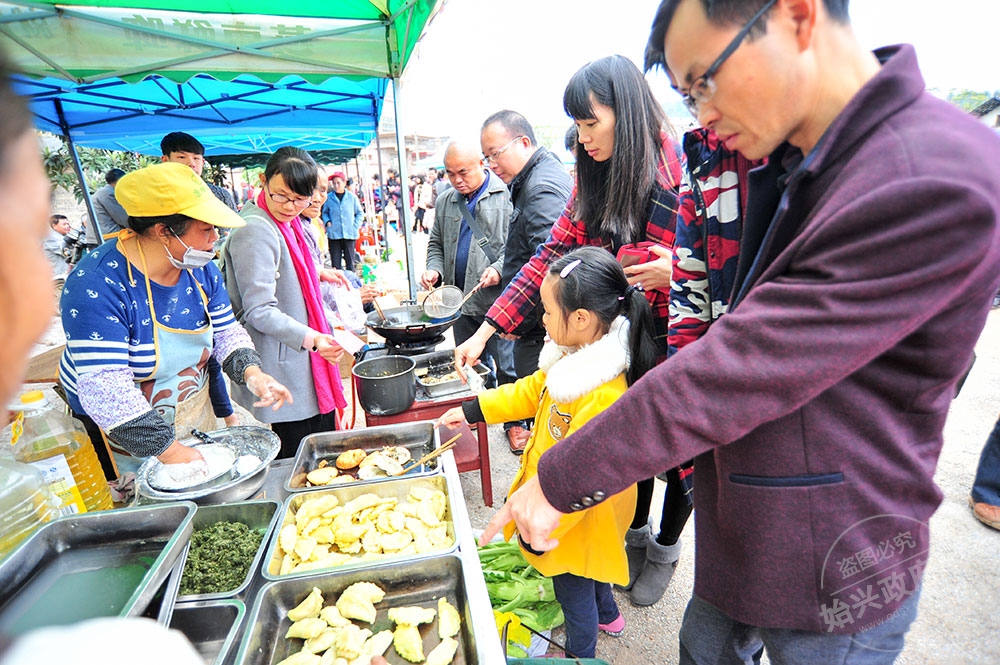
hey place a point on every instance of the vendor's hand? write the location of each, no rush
(328, 349)
(468, 352)
(178, 453)
(379, 660)
(429, 278)
(452, 418)
(653, 275)
(490, 277)
(531, 512)
(334, 277)
(267, 388)
(369, 293)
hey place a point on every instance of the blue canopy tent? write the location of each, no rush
(243, 77)
(244, 115)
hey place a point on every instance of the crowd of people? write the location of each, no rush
(761, 303)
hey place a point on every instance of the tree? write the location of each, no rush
(94, 162)
(969, 99)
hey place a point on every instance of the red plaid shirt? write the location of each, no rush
(521, 296)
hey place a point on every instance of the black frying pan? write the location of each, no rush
(407, 324)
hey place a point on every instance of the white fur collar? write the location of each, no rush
(573, 374)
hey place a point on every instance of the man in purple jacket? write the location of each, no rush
(815, 407)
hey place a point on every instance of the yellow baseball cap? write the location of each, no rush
(170, 188)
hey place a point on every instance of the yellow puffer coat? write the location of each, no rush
(568, 390)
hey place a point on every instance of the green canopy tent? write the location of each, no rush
(96, 44)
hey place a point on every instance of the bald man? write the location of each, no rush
(455, 251)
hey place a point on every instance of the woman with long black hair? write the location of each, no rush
(627, 177)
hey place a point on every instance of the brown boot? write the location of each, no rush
(986, 513)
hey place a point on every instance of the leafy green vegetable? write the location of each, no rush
(219, 558)
(515, 587)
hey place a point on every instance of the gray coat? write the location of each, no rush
(493, 212)
(268, 301)
(111, 216)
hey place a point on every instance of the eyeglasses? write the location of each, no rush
(495, 155)
(703, 88)
(281, 199)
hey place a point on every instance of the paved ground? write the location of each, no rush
(958, 618)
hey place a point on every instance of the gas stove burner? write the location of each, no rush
(413, 348)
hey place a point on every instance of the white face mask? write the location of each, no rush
(193, 258)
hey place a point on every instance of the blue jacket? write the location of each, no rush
(342, 218)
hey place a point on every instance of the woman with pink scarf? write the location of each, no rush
(274, 288)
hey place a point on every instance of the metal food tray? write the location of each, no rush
(259, 516)
(419, 438)
(450, 387)
(242, 440)
(405, 583)
(213, 627)
(397, 487)
(67, 571)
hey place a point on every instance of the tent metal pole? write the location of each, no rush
(405, 214)
(232, 185)
(381, 193)
(78, 169)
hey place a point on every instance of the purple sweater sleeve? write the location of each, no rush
(843, 295)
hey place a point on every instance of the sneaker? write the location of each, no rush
(615, 628)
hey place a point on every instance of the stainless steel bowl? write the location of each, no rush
(244, 440)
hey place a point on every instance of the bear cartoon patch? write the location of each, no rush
(558, 423)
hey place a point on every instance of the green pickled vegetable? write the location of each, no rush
(219, 558)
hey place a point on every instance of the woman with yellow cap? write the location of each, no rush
(143, 315)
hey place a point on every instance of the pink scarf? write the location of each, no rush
(326, 376)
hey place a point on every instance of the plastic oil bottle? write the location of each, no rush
(25, 503)
(57, 444)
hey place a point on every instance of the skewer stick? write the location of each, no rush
(431, 455)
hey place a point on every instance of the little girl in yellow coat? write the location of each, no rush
(600, 342)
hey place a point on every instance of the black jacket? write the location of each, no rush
(539, 194)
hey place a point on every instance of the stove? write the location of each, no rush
(387, 348)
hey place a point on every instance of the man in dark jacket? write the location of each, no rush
(815, 407)
(539, 188)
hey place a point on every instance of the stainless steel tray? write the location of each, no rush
(243, 440)
(108, 563)
(419, 438)
(258, 515)
(213, 627)
(397, 487)
(405, 583)
(436, 389)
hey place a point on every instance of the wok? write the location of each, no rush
(408, 324)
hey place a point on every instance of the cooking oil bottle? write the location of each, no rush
(25, 503)
(58, 445)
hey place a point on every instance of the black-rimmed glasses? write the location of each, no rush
(702, 89)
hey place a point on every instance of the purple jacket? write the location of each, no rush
(815, 407)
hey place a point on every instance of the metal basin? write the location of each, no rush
(213, 627)
(419, 438)
(260, 516)
(243, 440)
(405, 583)
(397, 487)
(102, 564)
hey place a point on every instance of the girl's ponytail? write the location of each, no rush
(641, 344)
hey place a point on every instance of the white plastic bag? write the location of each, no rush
(349, 307)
